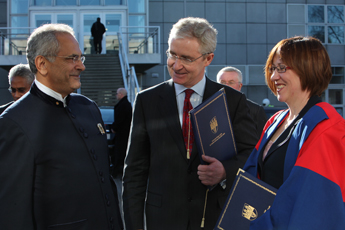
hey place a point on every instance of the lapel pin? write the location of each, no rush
(100, 127)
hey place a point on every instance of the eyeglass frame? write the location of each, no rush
(74, 58)
(184, 60)
(279, 69)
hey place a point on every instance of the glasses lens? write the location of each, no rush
(82, 59)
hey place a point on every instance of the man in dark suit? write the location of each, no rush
(160, 178)
(53, 148)
(121, 127)
(232, 77)
(97, 31)
(20, 79)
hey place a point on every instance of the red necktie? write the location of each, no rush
(186, 126)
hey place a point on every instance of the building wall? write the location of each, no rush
(5, 96)
(247, 31)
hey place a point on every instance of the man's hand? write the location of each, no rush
(213, 173)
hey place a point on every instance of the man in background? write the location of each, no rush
(232, 77)
(121, 128)
(97, 31)
(20, 79)
(54, 164)
(164, 180)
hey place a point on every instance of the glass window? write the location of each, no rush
(113, 2)
(65, 19)
(19, 21)
(112, 22)
(41, 19)
(296, 14)
(336, 34)
(89, 19)
(335, 96)
(66, 2)
(338, 75)
(136, 6)
(19, 6)
(335, 14)
(317, 32)
(90, 2)
(136, 20)
(42, 2)
(316, 14)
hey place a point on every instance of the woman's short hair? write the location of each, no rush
(308, 58)
(198, 28)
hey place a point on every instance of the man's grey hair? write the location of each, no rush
(198, 28)
(123, 91)
(43, 42)
(21, 70)
(230, 69)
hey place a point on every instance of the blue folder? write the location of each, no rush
(212, 128)
(248, 199)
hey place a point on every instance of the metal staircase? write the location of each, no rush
(101, 78)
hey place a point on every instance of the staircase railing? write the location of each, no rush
(13, 40)
(128, 73)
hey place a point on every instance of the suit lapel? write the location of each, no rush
(168, 109)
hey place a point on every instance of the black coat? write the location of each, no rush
(159, 179)
(121, 126)
(259, 116)
(54, 166)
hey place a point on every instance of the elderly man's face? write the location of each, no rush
(18, 87)
(230, 79)
(64, 73)
(187, 74)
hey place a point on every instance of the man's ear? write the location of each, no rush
(41, 65)
(209, 59)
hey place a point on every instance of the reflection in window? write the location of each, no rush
(316, 14)
(113, 2)
(66, 2)
(338, 75)
(41, 19)
(335, 96)
(336, 34)
(335, 14)
(41, 3)
(136, 6)
(19, 21)
(136, 20)
(89, 19)
(19, 6)
(317, 32)
(90, 2)
(112, 22)
(65, 19)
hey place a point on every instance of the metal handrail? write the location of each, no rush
(128, 74)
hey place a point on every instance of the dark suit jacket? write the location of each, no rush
(156, 162)
(3, 107)
(121, 126)
(258, 114)
(54, 166)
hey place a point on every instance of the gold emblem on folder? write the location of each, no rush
(100, 127)
(214, 125)
(249, 212)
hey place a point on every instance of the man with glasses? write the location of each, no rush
(232, 77)
(20, 79)
(54, 164)
(163, 178)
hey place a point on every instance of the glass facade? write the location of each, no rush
(19, 6)
(326, 23)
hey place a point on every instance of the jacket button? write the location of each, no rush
(86, 135)
(95, 157)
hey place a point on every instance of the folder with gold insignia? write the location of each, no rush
(212, 128)
(248, 199)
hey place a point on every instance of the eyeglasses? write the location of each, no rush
(280, 68)
(185, 61)
(75, 58)
(20, 90)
